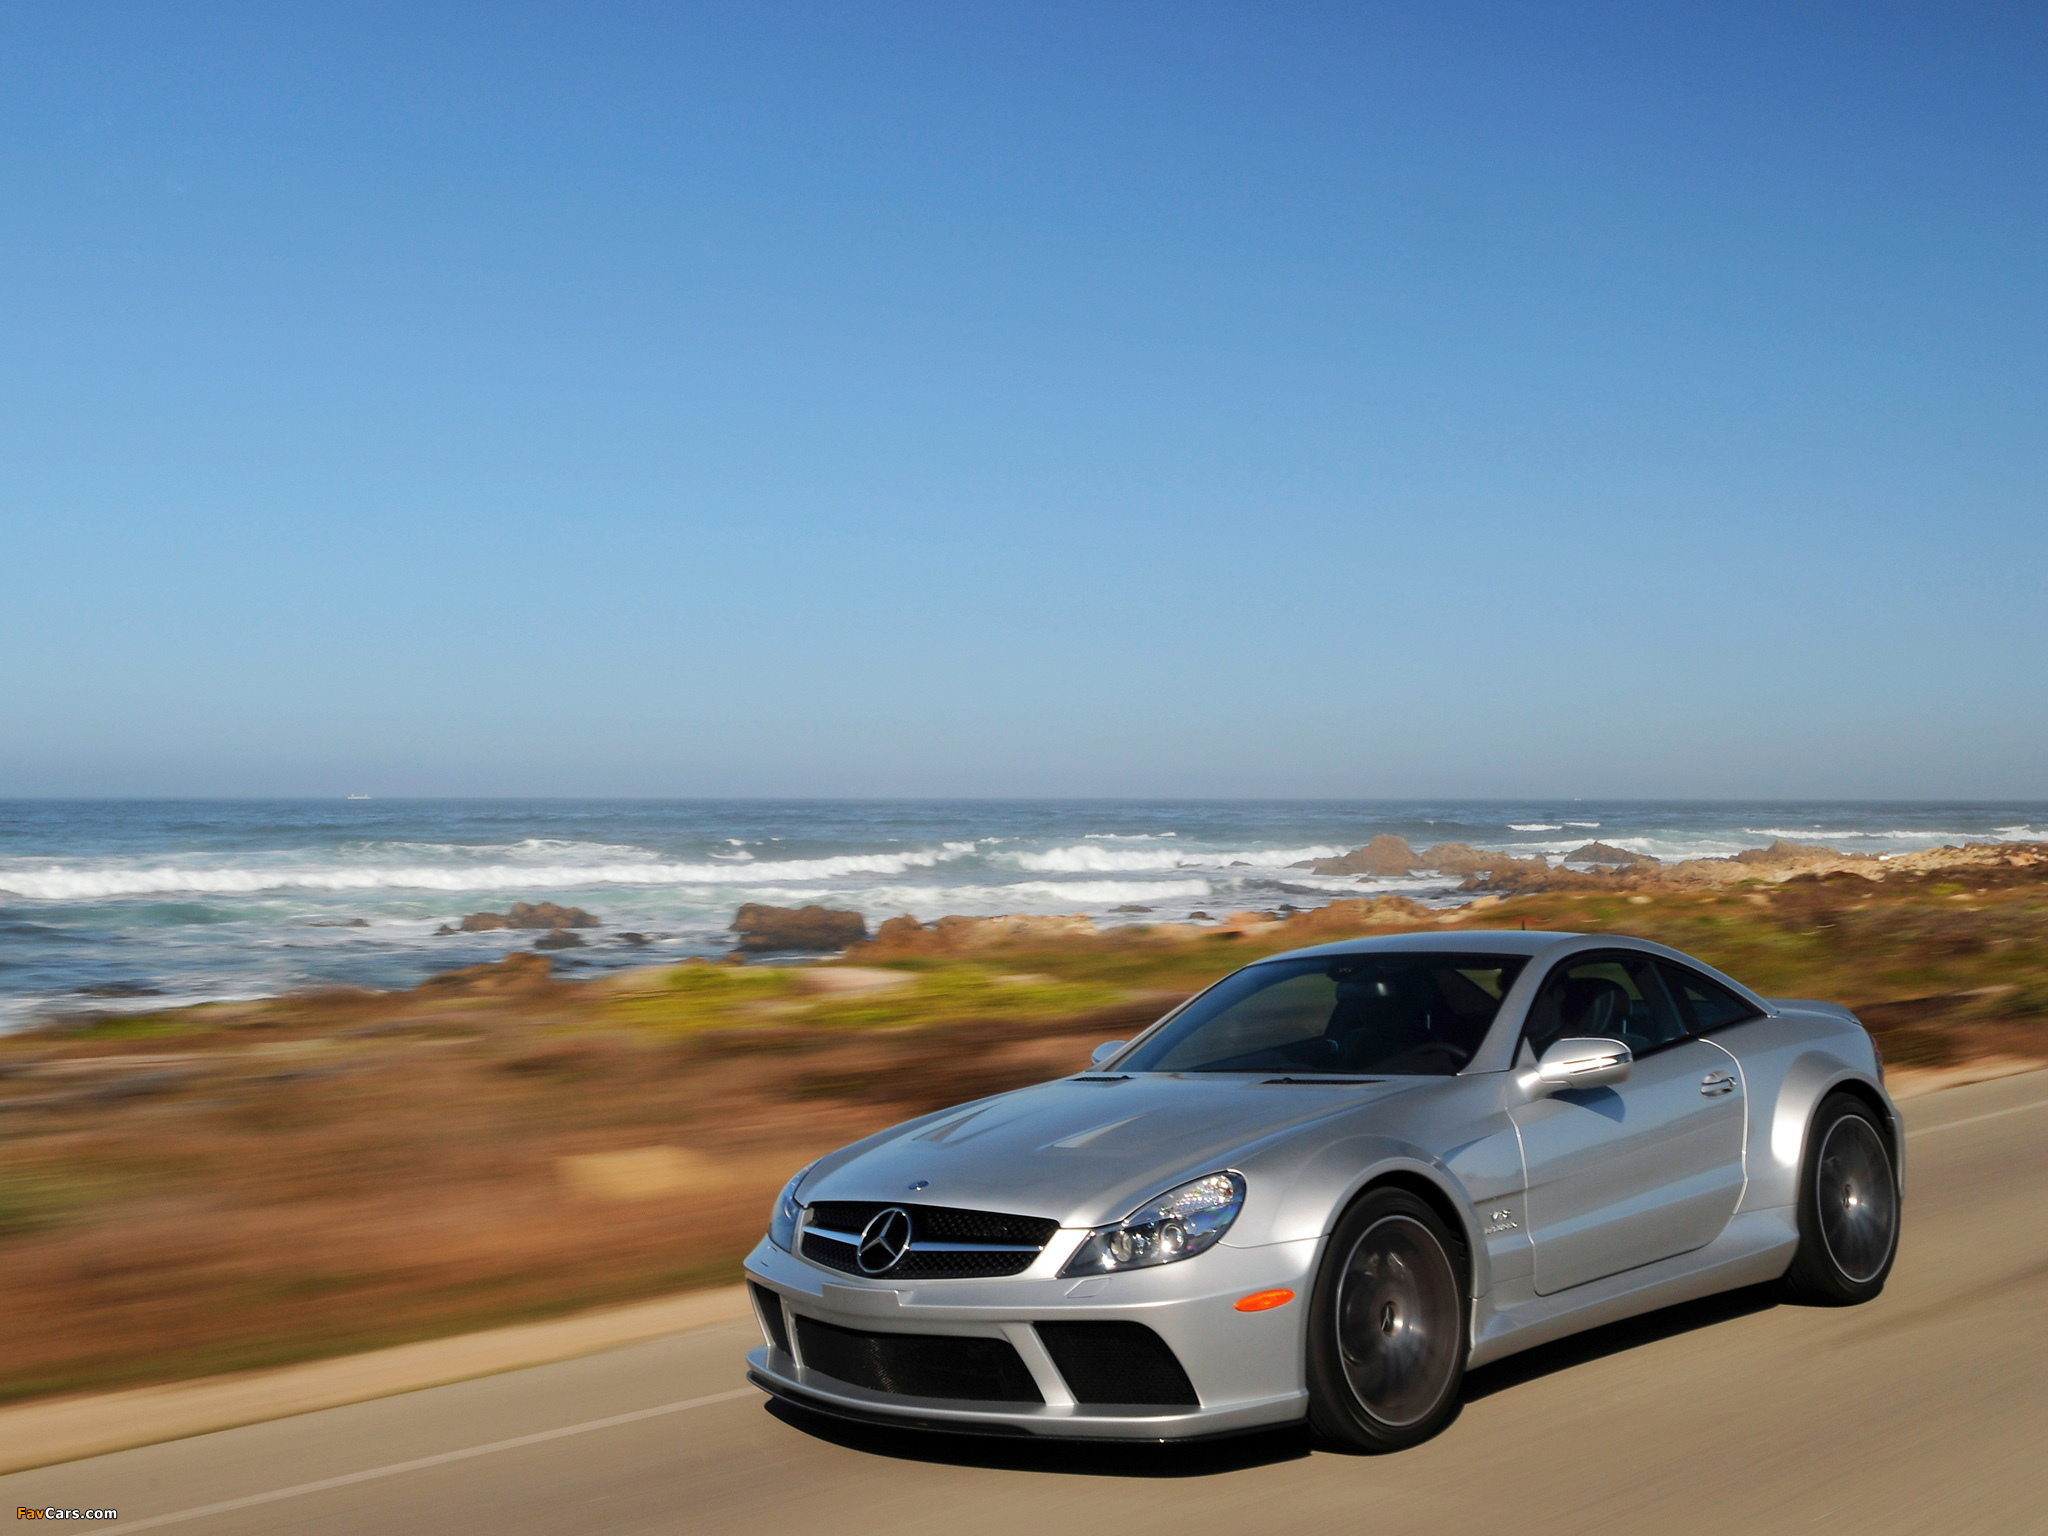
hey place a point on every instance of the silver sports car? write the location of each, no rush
(1326, 1187)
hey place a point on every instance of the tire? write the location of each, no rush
(1848, 1207)
(1387, 1335)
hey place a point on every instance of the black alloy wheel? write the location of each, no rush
(1386, 1330)
(1848, 1206)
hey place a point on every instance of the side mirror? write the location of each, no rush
(1104, 1051)
(1583, 1063)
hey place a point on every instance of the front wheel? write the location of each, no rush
(1848, 1207)
(1386, 1330)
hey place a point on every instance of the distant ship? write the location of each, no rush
(359, 797)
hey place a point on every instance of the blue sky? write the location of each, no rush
(1155, 400)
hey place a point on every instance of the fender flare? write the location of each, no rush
(1810, 1079)
(1389, 1159)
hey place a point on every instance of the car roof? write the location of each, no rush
(1470, 941)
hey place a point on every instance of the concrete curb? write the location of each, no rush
(1905, 1083)
(63, 1429)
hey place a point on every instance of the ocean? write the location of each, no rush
(132, 904)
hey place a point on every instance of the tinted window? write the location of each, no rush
(1386, 1013)
(1710, 1005)
(1609, 996)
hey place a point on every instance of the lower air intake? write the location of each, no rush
(768, 1306)
(1125, 1363)
(918, 1364)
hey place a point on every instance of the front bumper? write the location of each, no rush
(1245, 1367)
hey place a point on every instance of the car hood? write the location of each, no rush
(1084, 1151)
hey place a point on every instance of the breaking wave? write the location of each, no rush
(1826, 837)
(56, 882)
(1100, 893)
(1092, 858)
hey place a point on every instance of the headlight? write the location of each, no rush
(1178, 1225)
(782, 1220)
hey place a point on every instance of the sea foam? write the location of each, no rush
(57, 882)
(1091, 858)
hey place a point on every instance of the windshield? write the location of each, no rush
(1393, 1014)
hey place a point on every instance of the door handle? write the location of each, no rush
(1716, 1083)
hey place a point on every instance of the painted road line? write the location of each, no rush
(443, 1459)
(1996, 1114)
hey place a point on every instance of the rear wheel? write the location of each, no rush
(1386, 1332)
(1848, 1206)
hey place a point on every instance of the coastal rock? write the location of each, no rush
(1606, 853)
(954, 935)
(634, 938)
(1249, 922)
(1459, 859)
(558, 938)
(762, 928)
(543, 914)
(1776, 864)
(1353, 913)
(1384, 855)
(1130, 906)
(899, 933)
(1782, 853)
(515, 973)
(961, 933)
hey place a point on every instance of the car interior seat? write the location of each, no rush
(1596, 1006)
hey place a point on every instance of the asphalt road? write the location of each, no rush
(1925, 1411)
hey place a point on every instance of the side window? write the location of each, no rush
(1616, 996)
(1708, 1005)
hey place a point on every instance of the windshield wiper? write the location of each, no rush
(1322, 1080)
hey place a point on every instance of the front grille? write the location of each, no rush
(1118, 1363)
(769, 1306)
(938, 1223)
(1012, 1241)
(822, 1250)
(918, 1364)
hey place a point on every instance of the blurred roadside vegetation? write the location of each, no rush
(237, 1185)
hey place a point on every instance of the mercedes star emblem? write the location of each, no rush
(884, 1241)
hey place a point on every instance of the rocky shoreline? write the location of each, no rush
(1484, 879)
(1489, 877)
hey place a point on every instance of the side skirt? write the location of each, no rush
(1754, 1247)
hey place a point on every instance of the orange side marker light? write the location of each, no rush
(1264, 1301)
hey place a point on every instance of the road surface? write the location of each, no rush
(1926, 1411)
